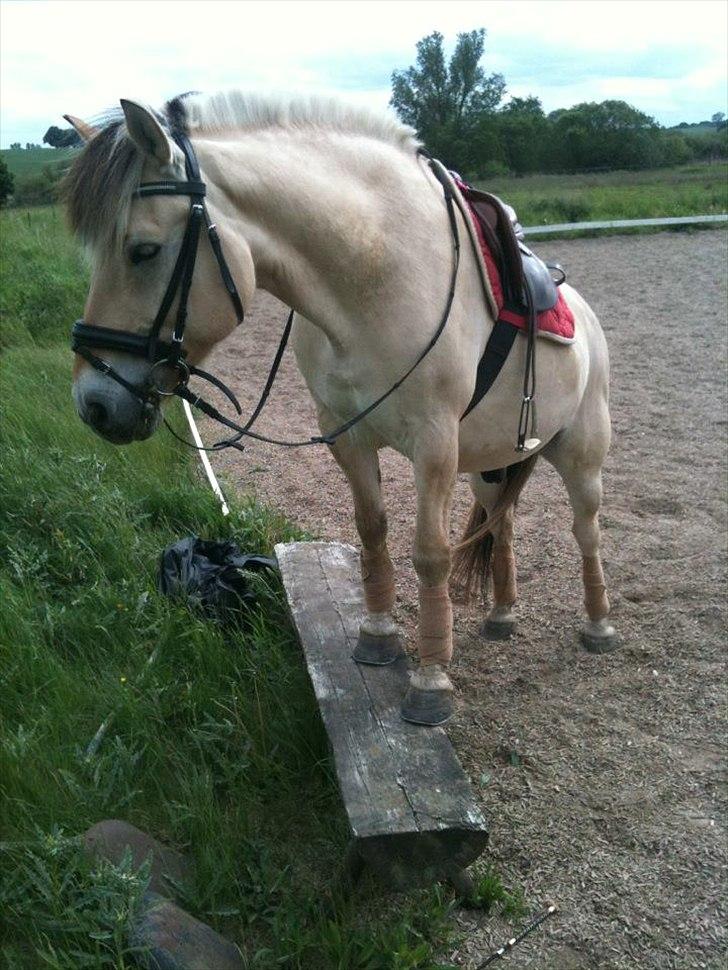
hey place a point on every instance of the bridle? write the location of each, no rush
(172, 355)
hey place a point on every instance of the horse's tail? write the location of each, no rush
(471, 559)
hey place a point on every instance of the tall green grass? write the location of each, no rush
(216, 747)
(697, 189)
(43, 278)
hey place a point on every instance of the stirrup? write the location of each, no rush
(528, 410)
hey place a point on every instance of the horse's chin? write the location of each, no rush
(149, 420)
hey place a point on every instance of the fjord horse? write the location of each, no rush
(333, 211)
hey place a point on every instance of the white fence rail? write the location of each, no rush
(623, 224)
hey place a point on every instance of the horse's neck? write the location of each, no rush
(333, 221)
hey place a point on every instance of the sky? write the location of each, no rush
(665, 57)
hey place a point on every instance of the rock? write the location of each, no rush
(171, 939)
(111, 838)
(167, 937)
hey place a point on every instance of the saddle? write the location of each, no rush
(524, 291)
(518, 267)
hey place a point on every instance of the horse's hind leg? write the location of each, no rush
(497, 561)
(577, 455)
(379, 641)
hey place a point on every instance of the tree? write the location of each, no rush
(16, 146)
(524, 134)
(6, 182)
(61, 137)
(607, 134)
(717, 119)
(444, 103)
(676, 149)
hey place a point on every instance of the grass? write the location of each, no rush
(695, 189)
(490, 893)
(216, 748)
(43, 279)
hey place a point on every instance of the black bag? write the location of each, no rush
(210, 576)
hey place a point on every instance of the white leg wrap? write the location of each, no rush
(378, 625)
(599, 628)
(502, 614)
(430, 677)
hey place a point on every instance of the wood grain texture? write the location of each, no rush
(412, 812)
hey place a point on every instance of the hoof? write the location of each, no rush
(378, 650)
(494, 629)
(429, 707)
(599, 637)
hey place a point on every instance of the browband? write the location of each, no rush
(171, 188)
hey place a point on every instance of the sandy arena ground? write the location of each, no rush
(615, 806)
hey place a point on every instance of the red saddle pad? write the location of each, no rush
(559, 321)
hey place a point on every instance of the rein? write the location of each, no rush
(172, 354)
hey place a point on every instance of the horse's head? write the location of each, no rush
(149, 258)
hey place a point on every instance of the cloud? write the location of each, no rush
(557, 65)
(80, 57)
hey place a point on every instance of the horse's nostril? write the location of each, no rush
(97, 415)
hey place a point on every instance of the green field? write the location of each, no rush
(695, 189)
(216, 748)
(31, 161)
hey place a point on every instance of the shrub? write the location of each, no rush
(6, 182)
(40, 188)
(490, 169)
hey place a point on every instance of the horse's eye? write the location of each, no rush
(143, 251)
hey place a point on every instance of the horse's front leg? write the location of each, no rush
(429, 699)
(379, 640)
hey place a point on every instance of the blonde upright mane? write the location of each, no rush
(231, 110)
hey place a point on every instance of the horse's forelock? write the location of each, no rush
(98, 188)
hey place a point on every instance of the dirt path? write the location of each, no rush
(612, 805)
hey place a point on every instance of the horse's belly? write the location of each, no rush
(489, 434)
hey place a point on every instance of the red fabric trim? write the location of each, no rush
(559, 320)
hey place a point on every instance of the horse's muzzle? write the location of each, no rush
(116, 417)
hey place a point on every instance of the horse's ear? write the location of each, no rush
(84, 131)
(146, 132)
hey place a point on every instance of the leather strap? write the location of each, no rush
(491, 363)
(226, 275)
(83, 335)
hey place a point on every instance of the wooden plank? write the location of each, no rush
(411, 809)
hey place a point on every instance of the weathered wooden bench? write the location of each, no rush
(413, 816)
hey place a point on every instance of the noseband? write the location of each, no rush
(86, 338)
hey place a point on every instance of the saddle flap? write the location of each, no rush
(500, 235)
(541, 284)
(517, 265)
